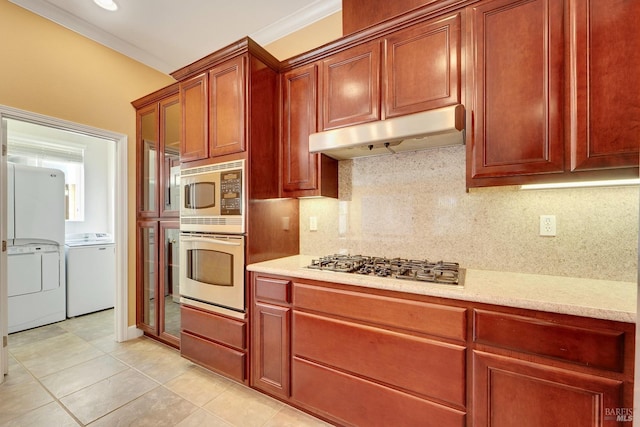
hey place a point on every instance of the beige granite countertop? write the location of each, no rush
(601, 299)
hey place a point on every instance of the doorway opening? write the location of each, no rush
(14, 125)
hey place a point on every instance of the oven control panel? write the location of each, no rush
(231, 192)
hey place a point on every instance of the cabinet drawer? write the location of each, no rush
(269, 289)
(333, 394)
(421, 366)
(213, 356)
(211, 326)
(597, 347)
(432, 319)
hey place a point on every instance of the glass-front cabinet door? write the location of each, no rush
(170, 158)
(158, 298)
(158, 124)
(147, 276)
(169, 286)
(147, 194)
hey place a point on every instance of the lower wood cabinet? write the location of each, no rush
(270, 349)
(214, 341)
(511, 392)
(271, 336)
(544, 369)
(370, 357)
(346, 399)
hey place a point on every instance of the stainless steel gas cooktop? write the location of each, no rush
(448, 273)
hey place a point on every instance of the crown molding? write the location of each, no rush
(306, 16)
(82, 27)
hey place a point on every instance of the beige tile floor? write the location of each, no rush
(73, 373)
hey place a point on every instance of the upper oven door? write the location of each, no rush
(212, 269)
(212, 198)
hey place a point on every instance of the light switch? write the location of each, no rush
(313, 223)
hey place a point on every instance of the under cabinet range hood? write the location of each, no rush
(419, 131)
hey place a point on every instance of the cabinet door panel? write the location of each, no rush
(226, 110)
(147, 276)
(271, 358)
(517, 125)
(605, 105)
(350, 87)
(169, 161)
(194, 104)
(423, 67)
(509, 392)
(300, 168)
(147, 161)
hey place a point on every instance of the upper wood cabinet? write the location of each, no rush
(422, 67)
(350, 87)
(213, 105)
(227, 92)
(604, 88)
(518, 67)
(303, 173)
(194, 102)
(157, 152)
(549, 97)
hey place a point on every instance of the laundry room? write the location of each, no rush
(60, 224)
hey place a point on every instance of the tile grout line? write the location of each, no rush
(55, 399)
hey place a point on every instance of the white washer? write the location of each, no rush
(91, 273)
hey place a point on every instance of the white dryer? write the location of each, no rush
(91, 272)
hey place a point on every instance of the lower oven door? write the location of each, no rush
(212, 270)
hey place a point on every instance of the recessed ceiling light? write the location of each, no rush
(107, 4)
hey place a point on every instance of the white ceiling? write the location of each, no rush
(169, 34)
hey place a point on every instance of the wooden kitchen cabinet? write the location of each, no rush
(420, 71)
(214, 341)
(157, 228)
(213, 123)
(303, 173)
(349, 87)
(158, 158)
(194, 102)
(227, 92)
(363, 356)
(517, 98)
(549, 98)
(422, 67)
(510, 392)
(271, 332)
(157, 280)
(576, 371)
(603, 103)
(404, 359)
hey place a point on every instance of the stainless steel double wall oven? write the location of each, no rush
(212, 242)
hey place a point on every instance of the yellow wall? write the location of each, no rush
(308, 38)
(50, 70)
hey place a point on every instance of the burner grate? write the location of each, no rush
(399, 268)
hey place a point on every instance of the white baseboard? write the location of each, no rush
(133, 333)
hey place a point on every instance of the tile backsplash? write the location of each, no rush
(415, 205)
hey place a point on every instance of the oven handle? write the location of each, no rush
(209, 240)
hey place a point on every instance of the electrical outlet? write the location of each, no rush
(547, 225)
(313, 223)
